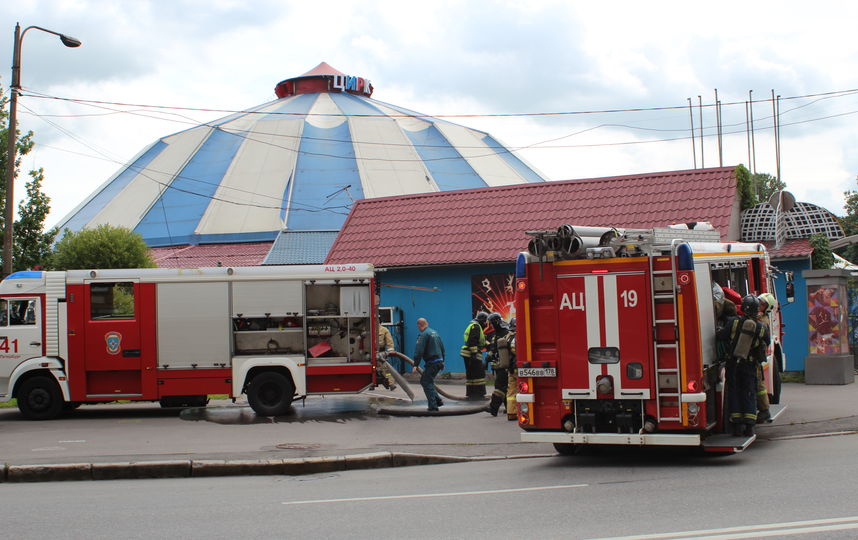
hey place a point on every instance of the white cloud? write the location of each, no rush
(453, 57)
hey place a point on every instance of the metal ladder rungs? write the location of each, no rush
(669, 418)
(668, 394)
(659, 321)
(664, 296)
(662, 272)
(667, 370)
(666, 345)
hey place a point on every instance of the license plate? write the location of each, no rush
(537, 372)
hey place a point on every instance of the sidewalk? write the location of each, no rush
(323, 434)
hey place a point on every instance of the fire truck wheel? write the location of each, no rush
(270, 394)
(568, 449)
(39, 398)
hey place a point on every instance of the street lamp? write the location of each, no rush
(12, 139)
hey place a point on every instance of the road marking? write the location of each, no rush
(429, 495)
(756, 531)
(814, 435)
(61, 442)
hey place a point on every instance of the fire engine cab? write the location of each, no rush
(178, 335)
(616, 336)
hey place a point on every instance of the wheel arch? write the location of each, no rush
(34, 367)
(245, 369)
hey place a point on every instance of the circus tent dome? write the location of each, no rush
(293, 164)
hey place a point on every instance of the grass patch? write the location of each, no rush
(792, 376)
(9, 404)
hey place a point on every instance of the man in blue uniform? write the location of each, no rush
(429, 349)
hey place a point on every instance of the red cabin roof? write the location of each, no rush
(489, 224)
(247, 254)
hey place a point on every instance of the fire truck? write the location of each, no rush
(616, 336)
(176, 336)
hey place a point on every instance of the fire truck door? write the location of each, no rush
(606, 331)
(20, 334)
(118, 363)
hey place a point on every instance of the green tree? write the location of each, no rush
(822, 258)
(103, 247)
(31, 243)
(849, 222)
(764, 185)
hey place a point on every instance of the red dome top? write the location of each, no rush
(323, 78)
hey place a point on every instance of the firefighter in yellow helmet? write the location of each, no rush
(512, 385)
(499, 357)
(767, 303)
(475, 370)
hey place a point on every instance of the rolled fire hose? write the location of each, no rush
(399, 379)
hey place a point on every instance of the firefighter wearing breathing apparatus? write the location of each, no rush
(767, 303)
(500, 357)
(512, 386)
(385, 347)
(746, 337)
(475, 371)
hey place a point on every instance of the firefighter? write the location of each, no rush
(385, 347)
(512, 386)
(430, 349)
(499, 356)
(745, 335)
(475, 371)
(767, 303)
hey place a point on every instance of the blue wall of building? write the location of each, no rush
(448, 309)
(793, 316)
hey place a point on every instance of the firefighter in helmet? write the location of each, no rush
(512, 385)
(499, 356)
(746, 337)
(475, 370)
(767, 304)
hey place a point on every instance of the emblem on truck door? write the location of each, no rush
(114, 342)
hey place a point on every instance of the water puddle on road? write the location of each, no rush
(313, 409)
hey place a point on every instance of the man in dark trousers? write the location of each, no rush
(472, 354)
(500, 357)
(429, 349)
(746, 337)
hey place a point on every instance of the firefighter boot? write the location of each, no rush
(738, 429)
(749, 429)
(764, 417)
(494, 406)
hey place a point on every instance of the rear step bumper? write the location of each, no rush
(628, 439)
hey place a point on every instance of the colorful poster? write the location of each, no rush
(826, 327)
(493, 292)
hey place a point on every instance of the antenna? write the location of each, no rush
(344, 188)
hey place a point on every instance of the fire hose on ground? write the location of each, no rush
(479, 407)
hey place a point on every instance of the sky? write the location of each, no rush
(537, 75)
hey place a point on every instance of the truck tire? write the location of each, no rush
(270, 393)
(775, 398)
(39, 398)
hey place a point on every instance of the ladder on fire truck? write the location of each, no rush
(666, 338)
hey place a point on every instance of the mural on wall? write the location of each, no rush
(493, 292)
(825, 317)
(852, 291)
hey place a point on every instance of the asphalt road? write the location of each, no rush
(618, 493)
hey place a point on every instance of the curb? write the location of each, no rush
(202, 468)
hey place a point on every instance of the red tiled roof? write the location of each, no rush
(489, 224)
(247, 254)
(798, 248)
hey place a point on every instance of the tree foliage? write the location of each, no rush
(103, 247)
(744, 188)
(822, 257)
(31, 245)
(849, 222)
(765, 185)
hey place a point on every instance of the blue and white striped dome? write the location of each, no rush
(293, 164)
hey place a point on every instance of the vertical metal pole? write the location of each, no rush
(693, 142)
(718, 128)
(776, 116)
(11, 147)
(748, 134)
(753, 142)
(702, 159)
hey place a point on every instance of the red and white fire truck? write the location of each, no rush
(178, 335)
(616, 335)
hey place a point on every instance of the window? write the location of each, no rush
(604, 355)
(18, 312)
(111, 301)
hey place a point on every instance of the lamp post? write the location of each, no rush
(12, 139)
